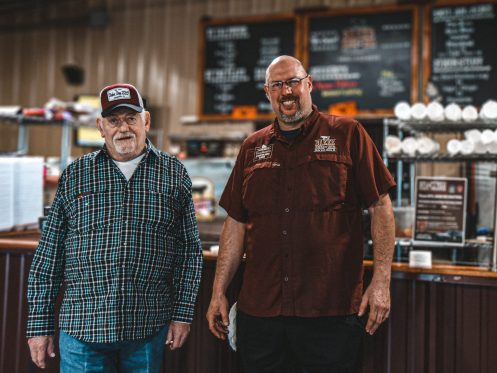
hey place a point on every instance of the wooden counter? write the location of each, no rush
(442, 320)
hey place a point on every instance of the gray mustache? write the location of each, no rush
(123, 135)
(289, 97)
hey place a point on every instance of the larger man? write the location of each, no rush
(295, 200)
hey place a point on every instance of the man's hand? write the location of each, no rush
(377, 295)
(217, 316)
(177, 334)
(40, 347)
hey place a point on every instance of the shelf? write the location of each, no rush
(444, 126)
(445, 158)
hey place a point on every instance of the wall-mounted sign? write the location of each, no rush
(462, 61)
(368, 56)
(440, 211)
(235, 54)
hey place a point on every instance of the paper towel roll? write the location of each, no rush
(418, 111)
(473, 135)
(489, 110)
(402, 110)
(487, 136)
(453, 147)
(469, 113)
(467, 147)
(435, 111)
(426, 146)
(409, 146)
(453, 112)
(392, 145)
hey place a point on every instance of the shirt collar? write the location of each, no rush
(275, 131)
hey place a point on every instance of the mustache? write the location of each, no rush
(120, 136)
(289, 97)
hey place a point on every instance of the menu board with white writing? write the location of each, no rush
(234, 60)
(463, 60)
(363, 57)
(440, 211)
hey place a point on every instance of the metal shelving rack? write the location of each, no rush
(23, 123)
(425, 126)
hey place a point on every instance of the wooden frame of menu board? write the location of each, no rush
(367, 72)
(247, 108)
(480, 76)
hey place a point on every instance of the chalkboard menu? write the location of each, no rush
(364, 57)
(234, 60)
(463, 60)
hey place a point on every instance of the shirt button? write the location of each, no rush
(123, 266)
(286, 279)
(284, 233)
(287, 210)
(122, 288)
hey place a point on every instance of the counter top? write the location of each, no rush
(27, 241)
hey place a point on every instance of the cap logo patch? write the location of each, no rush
(325, 144)
(263, 152)
(118, 94)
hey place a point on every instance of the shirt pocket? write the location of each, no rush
(260, 187)
(323, 181)
(156, 210)
(92, 211)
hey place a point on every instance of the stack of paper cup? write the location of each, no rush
(469, 114)
(402, 110)
(418, 111)
(489, 110)
(435, 111)
(473, 135)
(453, 112)
(426, 146)
(467, 147)
(409, 146)
(392, 145)
(454, 147)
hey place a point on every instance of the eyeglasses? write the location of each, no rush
(278, 84)
(130, 119)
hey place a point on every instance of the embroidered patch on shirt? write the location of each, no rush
(118, 94)
(325, 144)
(263, 152)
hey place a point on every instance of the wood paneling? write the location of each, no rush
(151, 43)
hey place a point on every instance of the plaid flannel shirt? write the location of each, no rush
(128, 252)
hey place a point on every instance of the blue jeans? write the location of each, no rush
(140, 356)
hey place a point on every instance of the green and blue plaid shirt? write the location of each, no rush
(128, 252)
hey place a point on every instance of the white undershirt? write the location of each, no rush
(129, 167)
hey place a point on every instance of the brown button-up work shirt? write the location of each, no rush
(302, 203)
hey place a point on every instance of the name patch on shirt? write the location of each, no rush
(325, 144)
(263, 152)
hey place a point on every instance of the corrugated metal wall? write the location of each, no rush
(149, 43)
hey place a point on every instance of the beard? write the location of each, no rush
(124, 146)
(294, 118)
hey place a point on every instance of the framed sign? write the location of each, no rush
(460, 54)
(367, 56)
(440, 211)
(234, 56)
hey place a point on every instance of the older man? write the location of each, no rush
(295, 200)
(122, 236)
